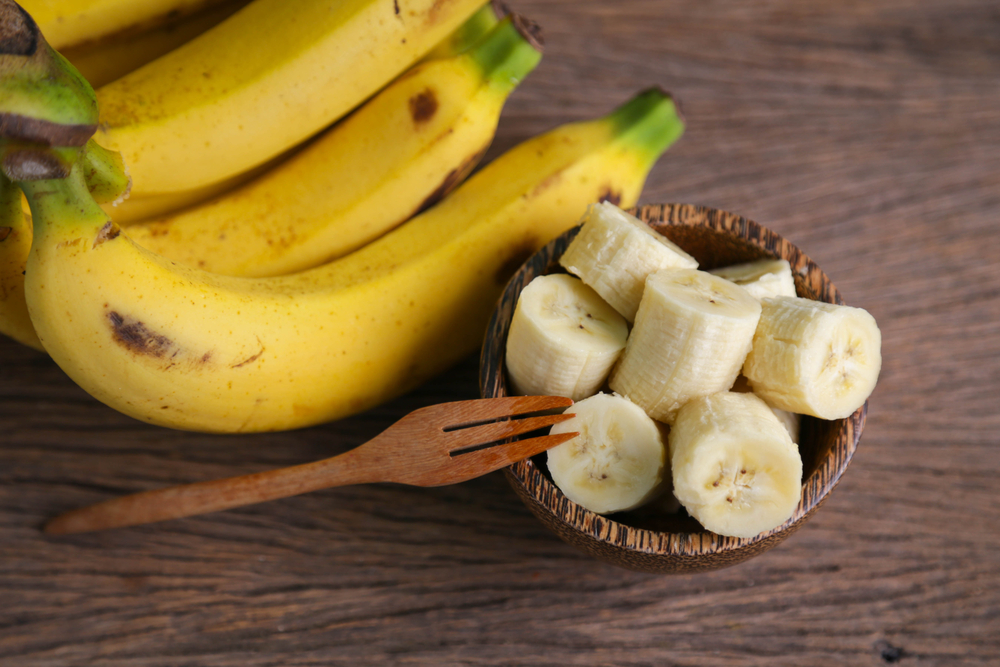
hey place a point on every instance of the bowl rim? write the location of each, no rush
(525, 475)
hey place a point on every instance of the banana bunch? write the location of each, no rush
(401, 151)
(337, 278)
(182, 123)
(185, 348)
(730, 359)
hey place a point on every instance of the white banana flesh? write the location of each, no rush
(563, 339)
(615, 252)
(619, 460)
(814, 358)
(692, 333)
(734, 467)
(762, 278)
(790, 420)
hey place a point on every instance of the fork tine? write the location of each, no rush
(482, 461)
(477, 411)
(483, 434)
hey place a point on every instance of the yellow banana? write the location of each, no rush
(259, 83)
(15, 241)
(102, 173)
(104, 60)
(361, 178)
(188, 349)
(399, 153)
(70, 22)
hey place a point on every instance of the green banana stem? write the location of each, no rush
(105, 173)
(650, 122)
(509, 53)
(43, 98)
(26, 161)
(469, 33)
(61, 202)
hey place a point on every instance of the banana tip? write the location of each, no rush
(531, 31)
(19, 34)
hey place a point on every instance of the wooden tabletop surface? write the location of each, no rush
(866, 132)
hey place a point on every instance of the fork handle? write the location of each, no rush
(351, 467)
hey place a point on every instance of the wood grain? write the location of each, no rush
(868, 134)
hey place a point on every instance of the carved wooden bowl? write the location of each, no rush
(651, 539)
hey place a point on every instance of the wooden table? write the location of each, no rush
(865, 132)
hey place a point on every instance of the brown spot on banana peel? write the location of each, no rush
(249, 359)
(609, 194)
(108, 232)
(423, 106)
(18, 31)
(453, 179)
(135, 336)
(5, 232)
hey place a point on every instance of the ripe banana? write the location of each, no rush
(189, 349)
(15, 241)
(364, 176)
(106, 182)
(399, 153)
(692, 333)
(614, 252)
(734, 467)
(103, 60)
(762, 278)
(69, 22)
(814, 358)
(563, 339)
(259, 83)
(619, 460)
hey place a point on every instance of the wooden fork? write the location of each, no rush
(433, 446)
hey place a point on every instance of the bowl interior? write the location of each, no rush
(651, 538)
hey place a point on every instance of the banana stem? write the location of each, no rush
(105, 173)
(650, 121)
(469, 33)
(65, 203)
(43, 98)
(511, 51)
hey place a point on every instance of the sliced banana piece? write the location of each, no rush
(619, 460)
(762, 278)
(734, 467)
(614, 252)
(814, 358)
(563, 339)
(692, 332)
(790, 420)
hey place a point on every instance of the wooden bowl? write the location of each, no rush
(651, 539)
